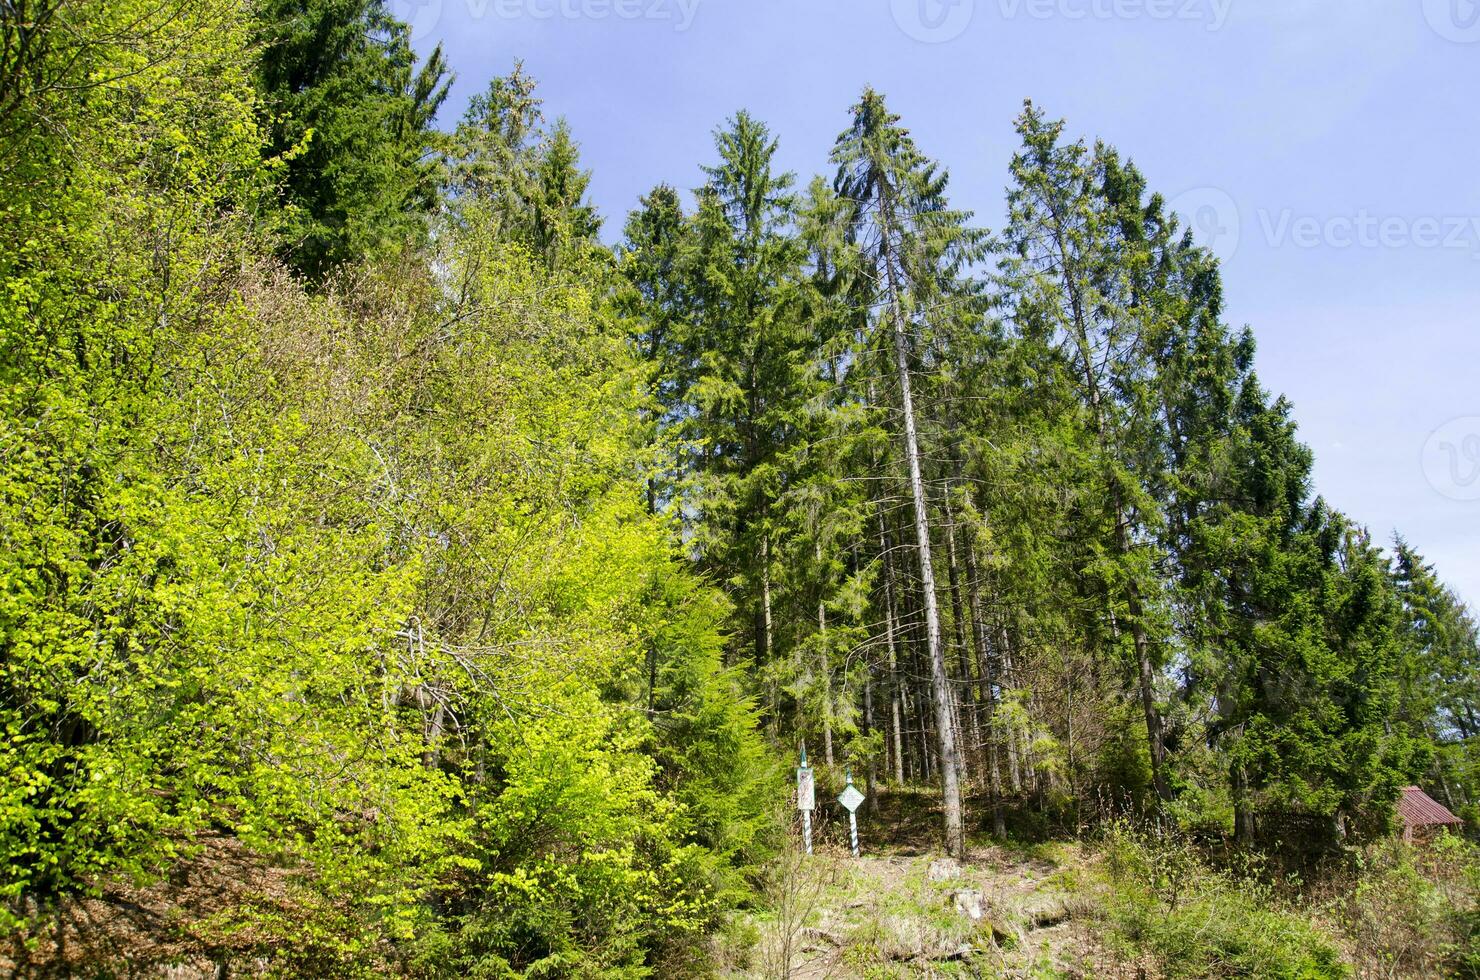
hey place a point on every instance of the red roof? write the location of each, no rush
(1419, 809)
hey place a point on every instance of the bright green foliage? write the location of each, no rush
(111, 249)
(364, 580)
(1414, 910)
(1160, 899)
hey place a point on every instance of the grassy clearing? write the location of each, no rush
(1002, 913)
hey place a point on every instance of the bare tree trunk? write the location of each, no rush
(432, 754)
(985, 673)
(764, 635)
(965, 704)
(1243, 815)
(945, 734)
(871, 773)
(896, 694)
(652, 665)
(1014, 752)
(825, 667)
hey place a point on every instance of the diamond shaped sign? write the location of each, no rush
(851, 798)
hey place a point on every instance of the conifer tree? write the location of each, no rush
(1440, 680)
(525, 178)
(350, 115)
(914, 249)
(750, 359)
(1069, 275)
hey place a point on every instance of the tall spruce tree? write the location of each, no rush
(349, 114)
(1069, 276)
(915, 249)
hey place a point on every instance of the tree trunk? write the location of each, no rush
(764, 634)
(965, 704)
(985, 674)
(1243, 815)
(825, 667)
(871, 773)
(946, 736)
(896, 693)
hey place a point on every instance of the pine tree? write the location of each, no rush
(659, 303)
(350, 116)
(914, 250)
(1440, 681)
(505, 166)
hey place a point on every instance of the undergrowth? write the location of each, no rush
(1160, 899)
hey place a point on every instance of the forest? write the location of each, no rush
(416, 572)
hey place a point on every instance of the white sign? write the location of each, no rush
(806, 792)
(851, 798)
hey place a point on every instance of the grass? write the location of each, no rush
(1160, 901)
(1125, 903)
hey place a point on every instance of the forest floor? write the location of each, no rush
(905, 910)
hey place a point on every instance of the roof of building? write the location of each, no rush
(1419, 809)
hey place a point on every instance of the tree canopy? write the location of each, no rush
(361, 506)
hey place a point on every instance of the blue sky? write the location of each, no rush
(1329, 150)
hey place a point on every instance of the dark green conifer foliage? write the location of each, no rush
(350, 115)
(1440, 680)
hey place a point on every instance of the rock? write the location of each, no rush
(969, 903)
(944, 869)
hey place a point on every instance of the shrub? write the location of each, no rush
(1161, 899)
(1414, 911)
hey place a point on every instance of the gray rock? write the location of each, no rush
(943, 869)
(969, 903)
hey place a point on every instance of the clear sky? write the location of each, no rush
(1328, 150)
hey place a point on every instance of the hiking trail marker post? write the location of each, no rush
(806, 798)
(851, 799)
